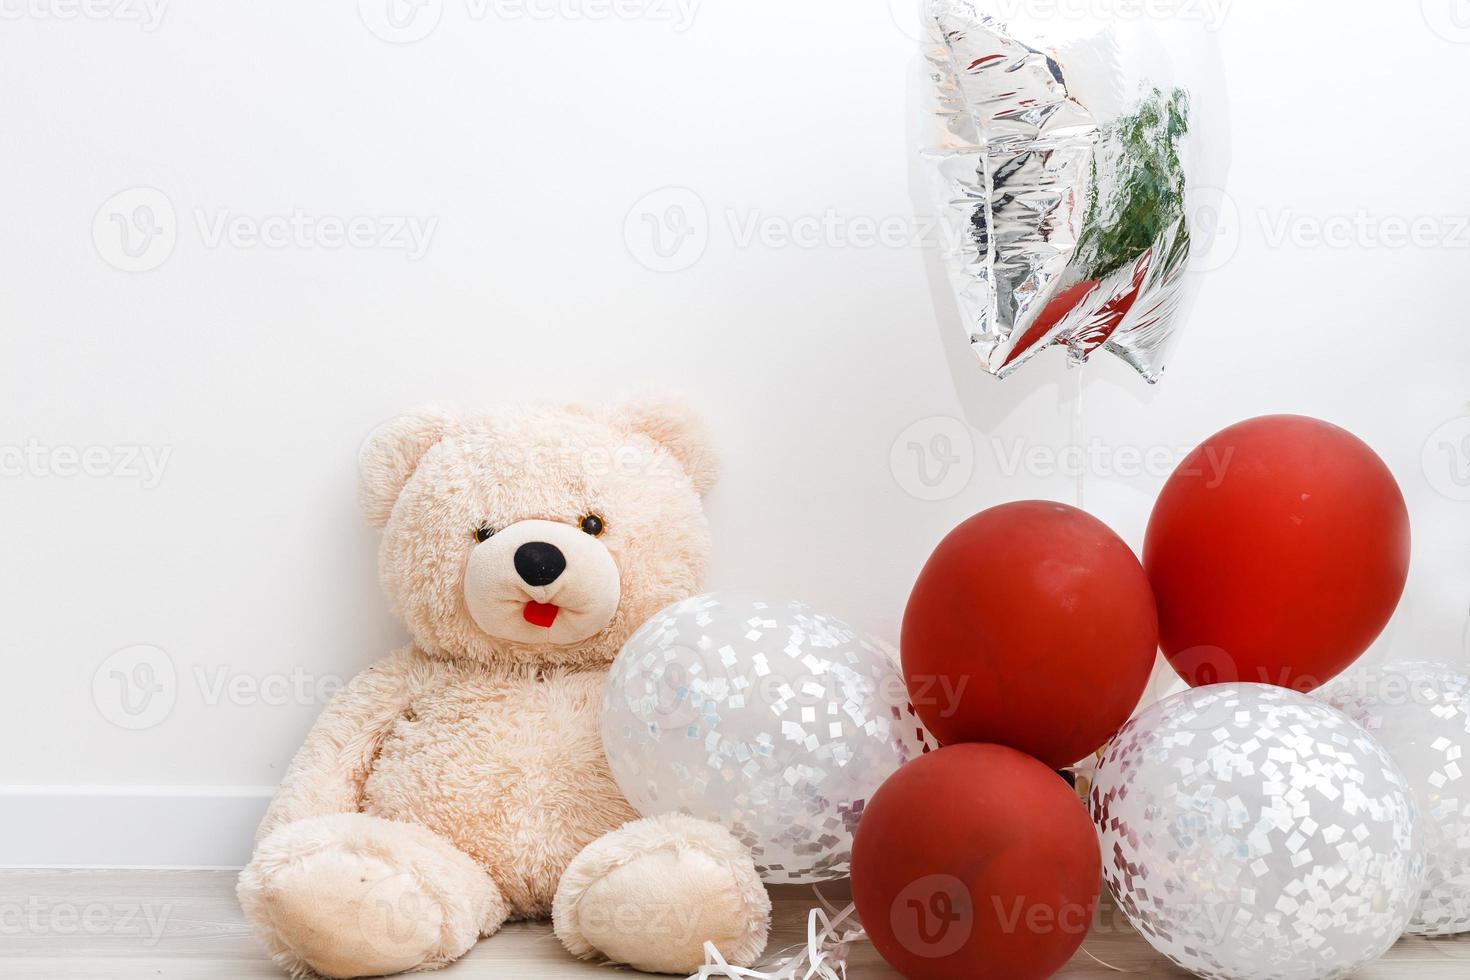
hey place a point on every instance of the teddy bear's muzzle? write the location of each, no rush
(542, 582)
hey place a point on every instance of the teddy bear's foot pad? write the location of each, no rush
(356, 896)
(651, 894)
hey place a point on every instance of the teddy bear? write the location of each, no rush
(460, 783)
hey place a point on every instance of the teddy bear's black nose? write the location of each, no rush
(540, 563)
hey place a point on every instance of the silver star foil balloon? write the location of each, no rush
(764, 716)
(1253, 833)
(1420, 712)
(1075, 165)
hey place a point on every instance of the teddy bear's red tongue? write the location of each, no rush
(541, 614)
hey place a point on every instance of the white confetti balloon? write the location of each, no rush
(1421, 714)
(1253, 833)
(764, 716)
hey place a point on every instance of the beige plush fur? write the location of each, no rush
(453, 785)
(674, 878)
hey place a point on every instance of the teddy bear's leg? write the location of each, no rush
(351, 895)
(652, 893)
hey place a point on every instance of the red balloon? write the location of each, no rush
(1278, 551)
(1033, 626)
(976, 861)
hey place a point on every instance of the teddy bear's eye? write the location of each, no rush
(593, 525)
(484, 532)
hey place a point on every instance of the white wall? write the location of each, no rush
(253, 373)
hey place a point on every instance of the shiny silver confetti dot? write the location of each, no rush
(764, 716)
(1420, 712)
(1253, 833)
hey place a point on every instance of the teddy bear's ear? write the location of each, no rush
(675, 425)
(391, 454)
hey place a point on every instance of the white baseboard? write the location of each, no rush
(129, 826)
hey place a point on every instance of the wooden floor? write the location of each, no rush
(121, 925)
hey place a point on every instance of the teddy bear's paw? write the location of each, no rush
(652, 893)
(356, 896)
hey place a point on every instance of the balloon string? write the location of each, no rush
(1115, 969)
(1075, 369)
(824, 954)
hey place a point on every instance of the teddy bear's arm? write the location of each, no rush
(329, 769)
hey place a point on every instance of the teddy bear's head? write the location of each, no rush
(542, 535)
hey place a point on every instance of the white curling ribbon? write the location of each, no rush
(1083, 770)
(1115, 969)
(826, 951)
(824, 956)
